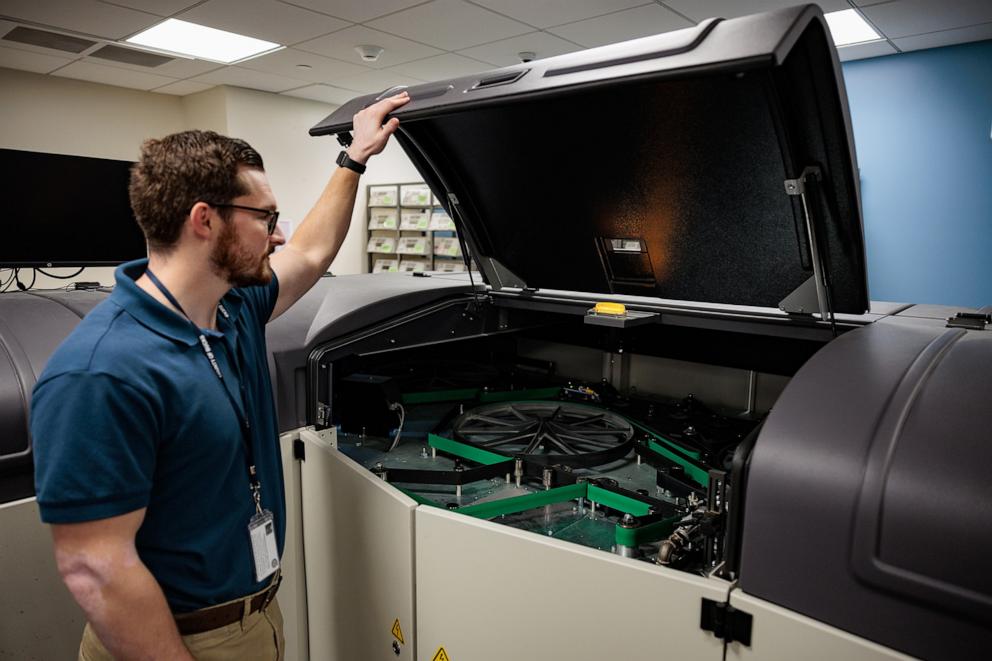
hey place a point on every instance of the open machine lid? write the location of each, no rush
(713, 164)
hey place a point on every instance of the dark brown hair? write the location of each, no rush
(178, 171)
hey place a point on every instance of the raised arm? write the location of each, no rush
(122, 601)
(317, 240)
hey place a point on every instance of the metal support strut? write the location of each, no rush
(802, 299)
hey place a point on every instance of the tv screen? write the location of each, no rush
(66, 211)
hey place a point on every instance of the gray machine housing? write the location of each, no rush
(864, 502)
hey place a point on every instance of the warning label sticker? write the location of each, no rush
(398, 632)
(440, 655)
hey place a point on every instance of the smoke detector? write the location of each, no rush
(526, 55)
(369, 53)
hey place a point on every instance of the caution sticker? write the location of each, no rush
(398, 632)
(441, 655)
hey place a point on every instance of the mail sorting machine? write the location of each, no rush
(663, 420)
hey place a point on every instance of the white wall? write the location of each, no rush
(65, 116)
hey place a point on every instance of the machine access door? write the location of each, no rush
(358, 543)
(779, 634)
(488, 592)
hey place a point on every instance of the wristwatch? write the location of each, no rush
(346, 161)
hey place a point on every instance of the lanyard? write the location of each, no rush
(254, 483)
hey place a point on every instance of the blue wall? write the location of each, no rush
(923, 133)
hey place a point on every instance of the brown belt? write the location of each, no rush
(215, 617)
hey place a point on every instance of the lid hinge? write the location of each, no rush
(726, 622)
(323, 415)
(814, 293)
(970, 320)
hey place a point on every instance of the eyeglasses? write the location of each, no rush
(271, 217)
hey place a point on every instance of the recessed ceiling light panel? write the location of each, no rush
(848, 27)
(201, 42)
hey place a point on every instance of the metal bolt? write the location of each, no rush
(546, 476)
(423, 452)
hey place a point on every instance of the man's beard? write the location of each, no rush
(235, 264)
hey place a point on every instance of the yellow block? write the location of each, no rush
(615, 309)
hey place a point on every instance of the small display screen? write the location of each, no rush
(66, 211)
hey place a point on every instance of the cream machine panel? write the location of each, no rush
(488, 592)
(358, 541)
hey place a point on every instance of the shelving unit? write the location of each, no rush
(409, 231)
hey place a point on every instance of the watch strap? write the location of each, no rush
(346, 161)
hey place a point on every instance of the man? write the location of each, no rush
(154, 429)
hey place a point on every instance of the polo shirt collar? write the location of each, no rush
(158, 318)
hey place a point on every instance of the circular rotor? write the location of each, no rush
(547, 432)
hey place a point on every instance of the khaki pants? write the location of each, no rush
(257, 637)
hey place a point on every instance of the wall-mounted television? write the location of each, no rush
(66, 211)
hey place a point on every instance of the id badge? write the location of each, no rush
(262, 531)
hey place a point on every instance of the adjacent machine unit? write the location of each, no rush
(663, 420)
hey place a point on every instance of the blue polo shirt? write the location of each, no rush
(129, 414)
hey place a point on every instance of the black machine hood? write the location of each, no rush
(713, 164)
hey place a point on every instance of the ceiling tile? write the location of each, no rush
(356, 10)
(545, 13)
(321, 69)
(945, 37)
(904, 18)
(178, 68)
(866, 50)
(86, 16)
(341, 45)
(182, 88)
(441, 67)
(450, 24)
(258, 80)
(504, 53)
(699, 10)
(326, 93)
(263, 19)
(621, 26)
(27, 61)
(377, 81)
(157, 7)
(99, 73)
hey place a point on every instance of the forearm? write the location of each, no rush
(125, 606)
